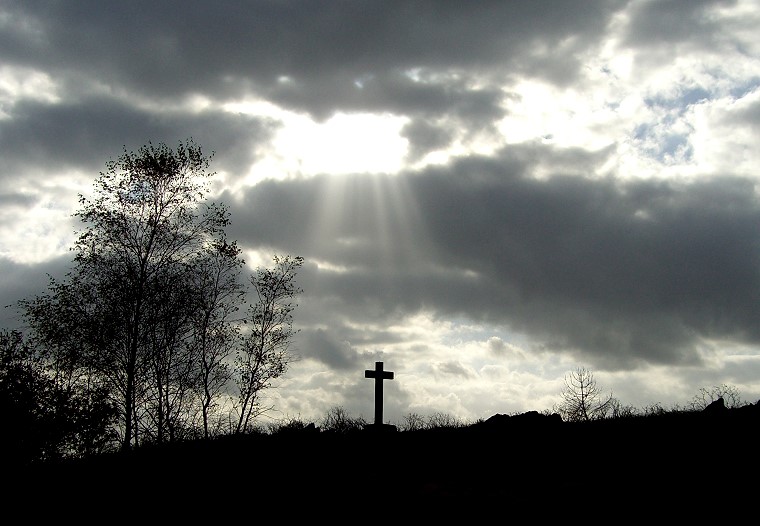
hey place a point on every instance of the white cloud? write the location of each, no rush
(20, 83)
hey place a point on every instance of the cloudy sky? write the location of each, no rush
(488, 194)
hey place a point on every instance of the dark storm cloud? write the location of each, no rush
(750, 116)
(625, 271)
(424, 138)
(677, 22)
(170, 49)
(344, 353)
(324, 346)
(88, 133)
(453, 369)
(10, 201)
(630, 271)
(409, 93)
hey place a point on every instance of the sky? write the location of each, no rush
(487, 195)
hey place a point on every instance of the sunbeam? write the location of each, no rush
(370, 221)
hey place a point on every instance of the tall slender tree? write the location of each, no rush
(264, 355)
(145, 226)
(216, 331)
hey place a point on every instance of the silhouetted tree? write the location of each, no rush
(216, 335)
(582, 399)
(264, 354)
(129, 292)
(147, 314)
(729, 393)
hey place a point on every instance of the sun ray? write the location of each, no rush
(370, 221)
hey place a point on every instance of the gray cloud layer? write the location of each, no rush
(627, 271)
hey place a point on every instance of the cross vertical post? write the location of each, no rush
(379, 375)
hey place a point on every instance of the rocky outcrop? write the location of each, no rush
(531, 419)
(716, 407)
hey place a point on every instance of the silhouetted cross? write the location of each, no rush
(379, 375)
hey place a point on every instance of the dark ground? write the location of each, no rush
(674, 467)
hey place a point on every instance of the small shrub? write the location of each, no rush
(338, 421)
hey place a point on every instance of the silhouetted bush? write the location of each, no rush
(337, 420)
(45, 419)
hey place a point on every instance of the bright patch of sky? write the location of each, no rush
(17, 84)
(37, 235)
(45, 229)
(343, 144)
